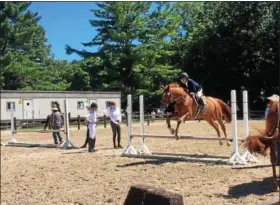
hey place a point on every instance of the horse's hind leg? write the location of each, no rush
(215, 126)
(220, 121)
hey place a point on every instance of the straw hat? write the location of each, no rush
(274, 98)
(54, 107)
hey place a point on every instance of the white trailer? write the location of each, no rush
(37, 104)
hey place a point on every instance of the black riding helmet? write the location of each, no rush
(93, 105)
(184, 75)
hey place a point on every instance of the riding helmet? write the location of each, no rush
(93, 105)
(184, 75)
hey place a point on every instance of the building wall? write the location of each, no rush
(42, 103)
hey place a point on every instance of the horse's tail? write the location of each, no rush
(226, 111)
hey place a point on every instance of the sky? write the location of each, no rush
(66, 23)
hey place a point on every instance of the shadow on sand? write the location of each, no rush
(261, 187)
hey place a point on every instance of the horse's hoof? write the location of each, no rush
(172, 131)
(177, 137)
(228, 143)
(220, 142)
(275, 189)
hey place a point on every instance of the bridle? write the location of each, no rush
(171, 97)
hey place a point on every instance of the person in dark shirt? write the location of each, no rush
(190, 86)
(56, 123)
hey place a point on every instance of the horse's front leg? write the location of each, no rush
(168, 119)
(273, 160)
(182, 119)
(177, 129)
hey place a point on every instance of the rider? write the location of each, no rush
(189, 85)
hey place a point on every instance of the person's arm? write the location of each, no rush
(196, 85)
(119, 116)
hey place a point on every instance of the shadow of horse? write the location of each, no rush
(164, 161)
(255, 187)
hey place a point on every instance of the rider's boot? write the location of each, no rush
(202, 105)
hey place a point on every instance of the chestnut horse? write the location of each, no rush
(267, 139)
(186, 107)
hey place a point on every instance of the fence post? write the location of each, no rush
(104, 119)
(15, 123)
(67, 144)
(148, 118)
(79, 122)
(47, 122)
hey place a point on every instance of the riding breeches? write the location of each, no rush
(200, 93)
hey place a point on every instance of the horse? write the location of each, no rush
(267, 139)
(186, 107)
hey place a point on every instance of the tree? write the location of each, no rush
(22, 44)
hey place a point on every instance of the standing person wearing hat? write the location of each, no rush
(92, 119)
(56, 123)
(87, 115)
(273, 98)
(115, 118)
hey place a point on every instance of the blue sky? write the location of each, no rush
(66, 23)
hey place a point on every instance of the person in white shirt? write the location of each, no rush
(115, 117)
(92, 119)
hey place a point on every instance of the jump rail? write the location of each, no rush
(183, 137)
(39, 131)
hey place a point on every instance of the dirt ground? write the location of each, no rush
(53, 176)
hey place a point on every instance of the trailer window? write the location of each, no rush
(81, 105)
(10, 106)
(108, 104)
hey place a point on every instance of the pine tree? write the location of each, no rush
(22, 45)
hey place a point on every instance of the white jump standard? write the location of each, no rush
(246, 154)
(235, 158)
(144, 152)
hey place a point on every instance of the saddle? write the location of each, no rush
(196, 98)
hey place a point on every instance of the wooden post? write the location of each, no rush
(69, 116)
(105, 122)
(148, 116)
(79, 122)
(15, 123)
(48, 123)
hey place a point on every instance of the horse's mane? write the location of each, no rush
(173, 85)
(175, 88)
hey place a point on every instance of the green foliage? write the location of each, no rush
(144, 45)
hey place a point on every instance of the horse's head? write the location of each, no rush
(171, 93)
(166, 96)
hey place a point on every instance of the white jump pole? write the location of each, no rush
(67, 144)
(143, 149)
(235, 157)
(247, 156)
(13, 136)
(129, 149)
